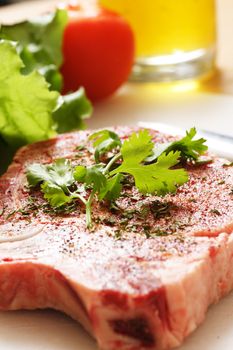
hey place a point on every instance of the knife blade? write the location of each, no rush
(218, 143)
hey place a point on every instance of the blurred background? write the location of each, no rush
(222, 79)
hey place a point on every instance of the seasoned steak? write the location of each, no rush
(144, 276)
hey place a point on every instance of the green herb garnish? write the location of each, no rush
(228, 165)
(156, 178)
(61, 182)
(104, 141)
(160, 209)
(71, 111)
(189, 148)
(215, 211)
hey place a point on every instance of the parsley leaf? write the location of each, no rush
(80, 173)
(112, 189)
(55, 195)
(104, 141)
(60, 173)
(154, 178)
(95, 177)
(157, 150)
(92, 175)
(37, 173)
(137, 147)
(101, 183)
(55, 179)
(189, 148)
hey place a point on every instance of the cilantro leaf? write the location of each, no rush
(80, 172)
(92, 175)
(54, 178)
(26, 103)
(154, 178)
(112, 189)
(137, 147)
(37, 173)
(104, 141)
(157, 150)
(95, 177)
(60, 173)
(189, 148)
(73, 108)
(108, 188)
(60, 179)
(40, 44)
(55, 195)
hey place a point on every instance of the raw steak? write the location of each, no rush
(129, 288)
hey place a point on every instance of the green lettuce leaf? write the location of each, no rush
(72, 110)
(26, 104)
(39, 43)
(29, 111)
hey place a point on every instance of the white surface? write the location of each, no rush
(177, 107)
(48, 330)
(220, 145)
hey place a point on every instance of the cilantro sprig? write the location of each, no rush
(104, 141)
(156, 178)
(62, 183)
(190, 148)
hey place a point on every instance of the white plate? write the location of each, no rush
(48, 330)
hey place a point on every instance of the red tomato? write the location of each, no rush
(98, 50)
